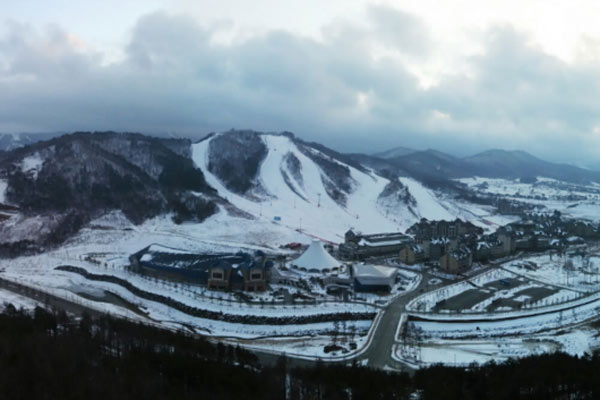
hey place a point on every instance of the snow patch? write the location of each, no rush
(3, 187)
(32, 164)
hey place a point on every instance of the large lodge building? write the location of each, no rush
(358, 246)
(239, 271)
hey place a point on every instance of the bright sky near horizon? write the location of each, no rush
(458, 75)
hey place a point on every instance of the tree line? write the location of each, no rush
(52, 355)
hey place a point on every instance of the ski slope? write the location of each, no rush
(304, 205)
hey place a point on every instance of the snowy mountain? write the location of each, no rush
(293, 185)
(241, 187)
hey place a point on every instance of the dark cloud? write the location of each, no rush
(173, 78)
(403, 31)
(523, 98)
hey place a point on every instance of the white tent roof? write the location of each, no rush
(316, 258)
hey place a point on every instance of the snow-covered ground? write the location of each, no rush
(32, 164)
(18, 301)
(546, 187)
(573, 200)
(217, 234)
(426, 302)
(3, 187)
(464, 352)
(512, 323)
(574, 272)
(551, 283)
(307, 347)
(103, 248)
(557, 322)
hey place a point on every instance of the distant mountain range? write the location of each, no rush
(11, 141)
(433, 166)
(430, 165)
(61, 184)
(395, 152)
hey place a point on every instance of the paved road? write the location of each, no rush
(379, 352)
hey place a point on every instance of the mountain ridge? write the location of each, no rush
(432, 165)
(63, 183)
(67, 181)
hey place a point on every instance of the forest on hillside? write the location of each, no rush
(51, 355)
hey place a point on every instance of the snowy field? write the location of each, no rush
(3, 187)
(574, 200)
(18, 301)
(581, 273)
(544, 187)
(428, 301)
(308, 347)
(556, 316)
(578, 342)
(510, 289)
(558, 321)
(463, 353)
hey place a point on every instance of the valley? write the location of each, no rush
(286, 192)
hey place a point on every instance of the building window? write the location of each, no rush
(256, 276)
(217, 275)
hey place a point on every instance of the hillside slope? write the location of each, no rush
(61, 184)
(436, 168)
(297, 186)
(236, 187)
(517, 164)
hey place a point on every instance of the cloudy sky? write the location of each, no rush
(460, 75)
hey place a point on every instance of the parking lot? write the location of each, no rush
(498, 295)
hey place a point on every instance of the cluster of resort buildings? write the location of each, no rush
(455, 245)
(357, 263)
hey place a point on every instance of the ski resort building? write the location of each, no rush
(317, 260)
(412, 254)
(457, 260)
(357, 246)
(427, 230)
(239, 271)
(247, 275)
(373, 278)
(437, 247)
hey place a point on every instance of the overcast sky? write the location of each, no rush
(460, 76)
